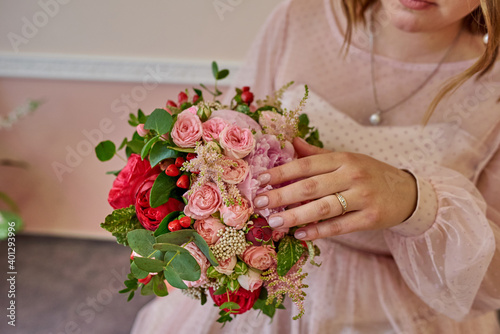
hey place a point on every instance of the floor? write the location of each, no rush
(65, 286)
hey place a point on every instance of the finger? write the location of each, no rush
(301, 168)
(303, 190)
(320, 209)
(350, 222)
(305, 149)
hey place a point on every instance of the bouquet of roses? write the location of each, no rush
(183, 202)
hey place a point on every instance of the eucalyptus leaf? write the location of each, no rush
(149, 265)
(160, 121)
(159, 287)
(146, 148)
(180, 260)
(122, 145)
(147, 289)
(222, 74)
(160, 192)
(173, 278)
(178, 237)
(135, 145)
(160, 151)
(203, 246)
(105, 150)
(182, 149)
(138, 273)
(230, 305)
(141, 241)
(215, 69)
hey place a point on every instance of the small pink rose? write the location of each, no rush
(236, 142)
(202, 262)
(141, 131)
(235, 173)
(278, 235)
(259, 257)
(251, 280)
(203, 201)
(187, 129)
(212, 128)
(226, 267)
(236, 215)
(208, 228)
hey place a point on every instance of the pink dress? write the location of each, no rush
(437, 272)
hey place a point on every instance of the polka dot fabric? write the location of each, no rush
(437, 272)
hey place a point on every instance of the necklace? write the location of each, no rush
(376, 117)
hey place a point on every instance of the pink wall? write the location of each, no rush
(72, 201)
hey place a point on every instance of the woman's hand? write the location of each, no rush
(378, 195)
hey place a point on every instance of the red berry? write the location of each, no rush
(185, 221)
(183, 182)
(145, 280)
(174, 225)
(172, 170)
(182, 98)
(179, 161)
(195, 98)
(247, 97)
(171, 103)
(190, 156)
(132, 256)
(245, 89)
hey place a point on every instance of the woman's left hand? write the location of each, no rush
(378, 195)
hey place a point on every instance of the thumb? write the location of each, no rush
(305, 149)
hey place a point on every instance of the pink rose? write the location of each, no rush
(236, 215)
(203, 201)
(212, 128)
(141, 131)
(187, 129)
(208, 229)
(202, 261)
(236, 142)
(251, 281)
(237, 118)
(226, 267)
(236, 173)
(259, 257)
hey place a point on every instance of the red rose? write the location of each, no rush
(150, 217)
(124, 190)
(259, 231)
(244, 298)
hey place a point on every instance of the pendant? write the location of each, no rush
(375, 118)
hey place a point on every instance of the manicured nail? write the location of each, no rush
(264, 178)
(300, 234)
(261, 201)
(275, 221)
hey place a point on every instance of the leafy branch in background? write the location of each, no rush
(21, 111)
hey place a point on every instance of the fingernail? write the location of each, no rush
(275, 221)
(261, 201)
(264, 178)
(300, 234)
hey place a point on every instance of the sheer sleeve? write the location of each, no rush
(447, 252)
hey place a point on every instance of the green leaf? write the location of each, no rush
(105, 150)
(173, 278)
(198, 92)
(268, 310)
(215, 69)
(178, 237)
(122, 145)
(181, 149)
(181, 261)
(203, 298)
(289, 252)
(221, 290)
(138, 273)
(133, 121)
(113, 172)
(141, 117)
(313, 139)
(141, 241)
(160, 121)
(135, 145)
(131, 295)
(160, 192)
(149, 265)
(163, 227)
(146, 148)
(159, 152)
(203, 246)
(159, 287)
(120, 222)
(243, 108)
(147, 289)
(230, 305)
(222, 74)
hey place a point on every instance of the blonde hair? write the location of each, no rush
(484, 19)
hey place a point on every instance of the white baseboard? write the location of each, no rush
(66, 67)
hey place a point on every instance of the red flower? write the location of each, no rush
(259, 231)
(150, 217)
(244, 298)
(124, 190)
